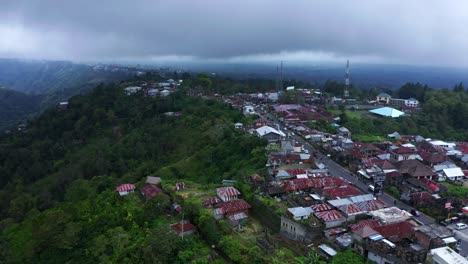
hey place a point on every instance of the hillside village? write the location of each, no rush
(392, 201)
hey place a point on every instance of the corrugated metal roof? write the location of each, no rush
(329, 216)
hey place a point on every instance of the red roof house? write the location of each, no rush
(234, 210)
(297, 184)
(350, 210)
(321, 207)
(331, 218)
(184, 228)
(227, 193)
(341, 192)
(150, 191)
(328, 182)
(369, 223)
(371, 205)
(396, 231)
(125, 189)
(212, 201)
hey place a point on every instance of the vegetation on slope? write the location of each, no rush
(57, 198)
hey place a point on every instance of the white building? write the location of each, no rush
(453, 174)
(300, 213)
(249, 110)
(132, 89)
(445, 255)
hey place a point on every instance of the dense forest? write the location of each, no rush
(57, 198)
(16, 106)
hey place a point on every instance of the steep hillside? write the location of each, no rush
(57, 198)
(15, 106)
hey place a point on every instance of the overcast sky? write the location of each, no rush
(390, 31)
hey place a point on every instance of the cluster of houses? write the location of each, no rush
(352, 219)
(385, 98)
(154, 89)
(227, 205)
(150, 190)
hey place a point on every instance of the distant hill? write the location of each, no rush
(362, 75)
(15, 106)
(36, 85)
(44, 77)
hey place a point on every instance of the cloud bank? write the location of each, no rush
(414, 32)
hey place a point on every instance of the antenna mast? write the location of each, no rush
(346, 91)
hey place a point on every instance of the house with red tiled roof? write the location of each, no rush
(212, 201)
(331, 218)
(341, 192)
(396, 231)
(331, 181)
(261, 122)
(367, 149)
(227, 193)
(236, 211)
(125, 189)
(371, 205)
(295, 185)
(150, 191)
(403, 153)
(184, 228)
(350, 211)
(422, 199)
(431, 159)
(321, 207)
(370, 223)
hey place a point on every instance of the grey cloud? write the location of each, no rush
(426, 32)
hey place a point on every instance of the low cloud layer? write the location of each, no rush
(414, 32)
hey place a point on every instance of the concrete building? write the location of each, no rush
(445, 255)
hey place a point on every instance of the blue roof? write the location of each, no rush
(387, 111)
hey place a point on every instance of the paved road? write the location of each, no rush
(337, 170)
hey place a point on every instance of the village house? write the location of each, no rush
(452, 174)
(212, 201)
(153, 180)
(383, 98)
(125, 189)
(150, 191)
(132, 90)
(63, 106)
(390, 215)
(227, 193)
(350, 211)
(179, 186)
(415, 169)
(236, 211)
(261, 122)
(331, 218)
(434, 236)
(292, 230)
(270, 133)
(184, 228)
(152, 92)
(300, 213)
(403, 153)
(445, 255)
(344, 132)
